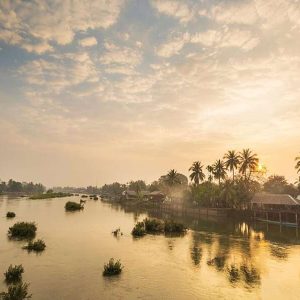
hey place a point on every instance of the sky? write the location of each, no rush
(93, 92)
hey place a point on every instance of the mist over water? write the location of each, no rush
(215, 259)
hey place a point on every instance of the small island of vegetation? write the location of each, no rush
(50, 194)
(13, 274)
(112, 268)
(73, 206)
(10, 215)
(22, 230)
(16, 292)
(155, 226)
(37, 246)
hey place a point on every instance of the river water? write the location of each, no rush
(216, 259)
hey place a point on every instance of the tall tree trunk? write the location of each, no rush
(233, 174)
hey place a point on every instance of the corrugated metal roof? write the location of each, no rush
(274, 199)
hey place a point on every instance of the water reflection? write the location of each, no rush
(217, 258)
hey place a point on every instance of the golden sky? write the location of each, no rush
(98, 91)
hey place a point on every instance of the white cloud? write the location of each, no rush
(88, 42)
(173, 46)
(120, 55)
(174, 8)
(55, 21)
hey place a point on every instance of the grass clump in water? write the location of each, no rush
(16, 292)
(36, 246)
(72, 206)
(139, 229)
(174, 227)
(10, 214)
(112, 268)
(22, 230)
(13, 274)
(153, 225)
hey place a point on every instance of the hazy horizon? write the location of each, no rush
(95, 92)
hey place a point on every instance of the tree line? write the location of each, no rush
(13, 186)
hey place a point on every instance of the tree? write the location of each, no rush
(228, 194)
(197, 174)
(219, 170)
(210, 170)
(138, 185)
(232, 161)
(278, 185)
(172, 178)
(297, 167)
(248, 162)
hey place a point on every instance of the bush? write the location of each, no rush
(72, 206)
(112, 268)
(16, 292)
(139, 229)
(173, 227)
(10, 214)
(22, 230)
(84, 196)
(14, 274)
(153, 225)
(36, 246)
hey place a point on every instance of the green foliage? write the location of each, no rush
(22, 230)
(112, 268)
(13, 186)
(50, 195)
(139, 229)
(197, 174)
(219, 170)
(10, 214)
(16, 292)
(137, 186)
(36, 246)
(73, 206)
(13, 273)
(113, 190)
(153, 225)
(174, 227)
(279, 185)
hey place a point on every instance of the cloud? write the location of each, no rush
(88, 42)
(56, 21)
(174, 8)
(115, 54)
(173, 46)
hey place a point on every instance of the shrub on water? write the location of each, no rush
(22, 230)
(72, 206)
(36, 246)
(153, 225)
(10, 214)
(112, 268)
(13, 273)
(173, 227)
(16, 292)
(50, 194)
(139, 229)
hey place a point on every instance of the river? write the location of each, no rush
(216, 259)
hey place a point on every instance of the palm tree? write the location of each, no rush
(297, 167)
(232, 161)
(172, 178)
(210, 170)
(248, 161)
(197, 174)
(219, 170)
